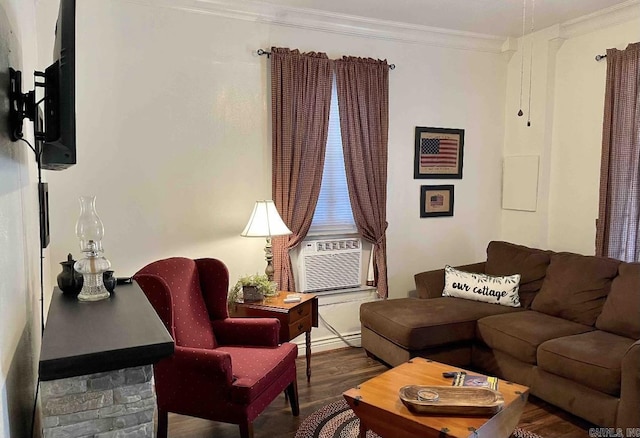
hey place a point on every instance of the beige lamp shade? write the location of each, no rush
(265, 221)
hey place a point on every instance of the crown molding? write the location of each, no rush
(351, 25)
(620, 13)
(311, 19)
(509, 47)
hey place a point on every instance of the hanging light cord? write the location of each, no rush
(533, 9)
(524, 15)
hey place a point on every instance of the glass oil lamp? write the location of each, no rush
(90, 231)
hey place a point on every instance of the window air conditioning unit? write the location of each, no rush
(329, 264)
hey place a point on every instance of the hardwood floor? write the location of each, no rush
(333, 373)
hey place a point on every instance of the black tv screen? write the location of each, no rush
(59, 148)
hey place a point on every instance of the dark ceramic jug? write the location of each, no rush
(109, 280)
(69, 280)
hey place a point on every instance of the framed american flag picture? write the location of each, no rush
(436, 201)
(439, 153)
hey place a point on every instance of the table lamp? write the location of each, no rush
(266, 222)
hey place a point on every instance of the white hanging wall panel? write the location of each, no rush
(520, 183)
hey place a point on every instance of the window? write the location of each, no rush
(333, 212)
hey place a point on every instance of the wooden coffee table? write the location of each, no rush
(379, 408)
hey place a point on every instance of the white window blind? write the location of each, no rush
(333, 213)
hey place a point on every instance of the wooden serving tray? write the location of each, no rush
(451, 400)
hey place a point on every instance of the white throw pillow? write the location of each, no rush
(482, 287)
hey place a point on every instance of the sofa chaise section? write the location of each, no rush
(397, 330)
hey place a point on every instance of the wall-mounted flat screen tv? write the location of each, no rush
(59, 147)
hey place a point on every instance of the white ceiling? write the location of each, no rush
(491, 17)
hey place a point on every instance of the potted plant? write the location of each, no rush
(252, 288)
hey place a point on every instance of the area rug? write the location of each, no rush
(337, 420)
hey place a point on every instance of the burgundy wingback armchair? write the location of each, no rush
(223, 369)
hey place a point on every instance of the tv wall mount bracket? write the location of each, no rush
(23, 105)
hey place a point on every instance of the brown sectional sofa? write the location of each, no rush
(575, 341)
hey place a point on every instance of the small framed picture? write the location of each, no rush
(438, 153)
(436, 201)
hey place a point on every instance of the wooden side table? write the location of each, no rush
(295, 318)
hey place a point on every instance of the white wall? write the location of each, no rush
(531, 228)
(19, 239)
(566, 130)
(174, 138)
(452, 89)
(577, 137)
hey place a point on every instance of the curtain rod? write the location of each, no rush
(261, 52)
(600, 57)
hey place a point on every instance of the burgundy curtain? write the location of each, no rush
(618, 226)
(300, 99)
(363, 98)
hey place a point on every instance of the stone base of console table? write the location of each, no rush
(114, 404)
